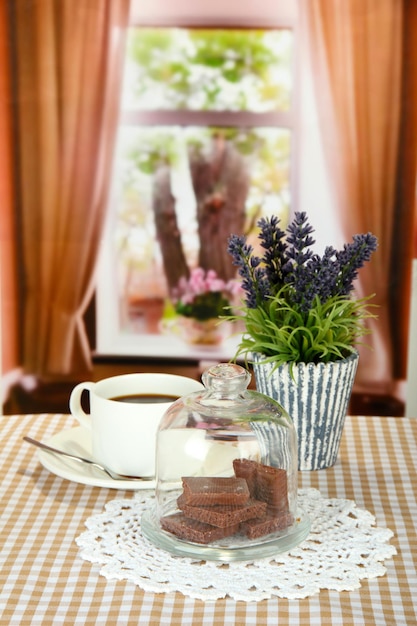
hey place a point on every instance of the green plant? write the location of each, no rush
(298, 306)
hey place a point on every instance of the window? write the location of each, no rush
(205, 147)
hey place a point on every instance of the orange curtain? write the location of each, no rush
(8, 284)
(404, 244)
(68, 59)
(355, 47)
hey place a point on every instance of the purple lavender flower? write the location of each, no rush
(271, 238)
(299, 232)
(255, 283)
(351, 258)
(316, 279)
(292, 264)
(326, 271)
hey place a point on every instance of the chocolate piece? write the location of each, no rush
(192, 530)
(206, 491)
(223, 515)
(271, 486)
(245, 468)
(266, 483)
(255, 528)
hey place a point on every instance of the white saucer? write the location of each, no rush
(78, 441)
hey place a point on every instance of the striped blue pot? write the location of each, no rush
(316, 399)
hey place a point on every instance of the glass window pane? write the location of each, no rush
(189, 181)
(216, 69)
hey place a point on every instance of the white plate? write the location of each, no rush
(78, 441)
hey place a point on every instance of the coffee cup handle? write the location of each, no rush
(75, 403)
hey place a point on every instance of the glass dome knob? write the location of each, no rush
(226, 379)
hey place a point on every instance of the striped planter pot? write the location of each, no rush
(316, 399)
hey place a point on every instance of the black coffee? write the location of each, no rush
(145, 398)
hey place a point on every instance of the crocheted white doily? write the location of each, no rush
(343, 547)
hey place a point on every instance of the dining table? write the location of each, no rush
(44, 578)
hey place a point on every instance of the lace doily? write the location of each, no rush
(343, 547)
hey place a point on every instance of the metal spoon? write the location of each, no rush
(81, 459)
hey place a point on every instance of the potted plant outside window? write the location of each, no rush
(199, 302)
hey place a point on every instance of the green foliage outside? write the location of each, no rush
(212, 69)
(192, 69)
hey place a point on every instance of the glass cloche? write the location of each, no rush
(226, 473)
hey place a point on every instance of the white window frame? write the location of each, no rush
(110, 341)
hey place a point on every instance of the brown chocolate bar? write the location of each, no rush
(266, 483)
(192, 530)
(208, 491)
(223, 515)
(271, 486)
(245, 468)
(255, 528)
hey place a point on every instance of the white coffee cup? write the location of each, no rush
(123, 432)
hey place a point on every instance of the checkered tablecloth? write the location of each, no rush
(44, 581)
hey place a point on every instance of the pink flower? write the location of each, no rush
(203, 282)
(235, 288)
